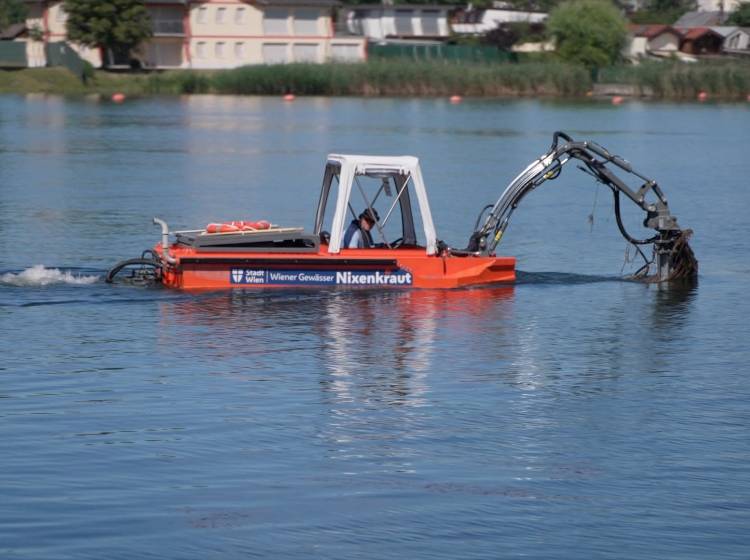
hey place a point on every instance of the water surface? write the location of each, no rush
(569, 415)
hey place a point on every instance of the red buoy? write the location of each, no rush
(702, 96)
(617, 100)
(118, 97)
(289, 97)
(455, 99)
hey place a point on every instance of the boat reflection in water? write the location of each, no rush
(366, 345)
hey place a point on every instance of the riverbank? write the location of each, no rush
(724, 80)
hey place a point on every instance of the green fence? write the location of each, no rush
(60, 54)
(458, 53)
(13, 54)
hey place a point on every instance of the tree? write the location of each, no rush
(11, 11)
(741, 16)
(589, 32)
(115, 25)
(505, 35)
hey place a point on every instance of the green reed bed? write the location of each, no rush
(383, 78)
(728, 80)
(720, 79)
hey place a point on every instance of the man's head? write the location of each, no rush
(368, 218)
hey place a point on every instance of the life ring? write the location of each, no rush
(237, 225)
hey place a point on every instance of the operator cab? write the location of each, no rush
(393, 186)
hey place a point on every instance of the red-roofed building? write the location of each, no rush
(701, 40)
(655, 39)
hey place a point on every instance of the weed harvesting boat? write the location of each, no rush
(243, 254)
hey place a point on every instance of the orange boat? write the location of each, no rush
(345, 248)
(253, 255)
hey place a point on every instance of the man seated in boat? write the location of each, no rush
(357, 235)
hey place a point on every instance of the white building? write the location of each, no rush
(379, 22)
(738, 41)
(215, 34)
(652, 40)
(725, 6)
(479, 22)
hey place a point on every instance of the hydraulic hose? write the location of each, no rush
(115, 270)
(621, 227)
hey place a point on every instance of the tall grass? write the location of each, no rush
(383, 78)
(721, 79)
(728, 80)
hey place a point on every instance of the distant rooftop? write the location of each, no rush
(701, 19)
(12, 31)
(651, 30)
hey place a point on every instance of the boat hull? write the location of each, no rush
(373, 268)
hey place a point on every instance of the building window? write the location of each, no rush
(221, 15)
(239, 16)
(202, 14)
(430, 23)
(274, 53)
(403, 22)
(164, 55)
(306, 22)
(200, 50)
(304, 52)
(166, 20)
(275, 21)
(219, 49)
(239, 50)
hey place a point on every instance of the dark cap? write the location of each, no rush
(370, 214)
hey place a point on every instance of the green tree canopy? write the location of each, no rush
(118, 25)
(589, 32)
(741, 16)
(11, 11)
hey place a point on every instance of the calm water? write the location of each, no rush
(570, 415)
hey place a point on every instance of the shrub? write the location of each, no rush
(588, 32)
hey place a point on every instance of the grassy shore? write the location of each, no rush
(728, 80)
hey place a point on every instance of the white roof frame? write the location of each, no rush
(353, 165)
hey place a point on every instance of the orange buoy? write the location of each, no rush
(289, 97)
(118, 97)
(617, 100)
(702, 96)
(455, 99)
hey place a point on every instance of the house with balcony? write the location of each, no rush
(217, 34)
(227, 34)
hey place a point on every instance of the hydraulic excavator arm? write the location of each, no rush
(672, 256)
